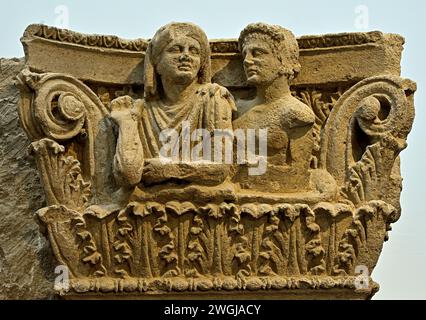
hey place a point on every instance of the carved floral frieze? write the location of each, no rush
(123, 224)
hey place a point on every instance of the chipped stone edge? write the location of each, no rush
(218, 46)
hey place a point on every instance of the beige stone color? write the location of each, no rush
(129, 225)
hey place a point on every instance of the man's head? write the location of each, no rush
(269, 52)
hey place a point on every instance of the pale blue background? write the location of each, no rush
(400, 270)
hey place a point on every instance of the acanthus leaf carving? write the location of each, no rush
(288, 231)
(61, 175)
(364, 135)
(359, 243)
(321, 103)
(73, 243)
(63, 109)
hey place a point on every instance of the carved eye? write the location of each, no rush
(175, 49)
(258, 52)
(194, 50)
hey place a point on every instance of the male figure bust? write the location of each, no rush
(271, 61)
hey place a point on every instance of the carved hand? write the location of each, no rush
(128, 159)
(125, 109)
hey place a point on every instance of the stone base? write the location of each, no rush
(252, 288)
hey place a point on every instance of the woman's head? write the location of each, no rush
(268, 51)
(180, 51)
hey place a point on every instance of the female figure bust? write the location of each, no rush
(177, 91)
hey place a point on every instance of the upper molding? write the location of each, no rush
(217, 46)
(109, 59)
(92, 40)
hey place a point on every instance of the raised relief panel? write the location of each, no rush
(182, 167)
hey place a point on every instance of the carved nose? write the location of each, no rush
(248, 62)
(184, 56)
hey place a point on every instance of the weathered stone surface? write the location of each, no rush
(297, 202)
(26, 260)
(355, 56)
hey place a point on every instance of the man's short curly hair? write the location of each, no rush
(282, 41)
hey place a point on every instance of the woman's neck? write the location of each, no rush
(178, 93)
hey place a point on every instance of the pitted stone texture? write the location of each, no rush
(127, 224)
(26, 261)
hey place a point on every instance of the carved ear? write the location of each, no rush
(296, 70)
(287, 72)
(282, 71)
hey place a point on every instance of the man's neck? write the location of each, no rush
(275, 91)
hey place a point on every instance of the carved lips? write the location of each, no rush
(185, 67)
(251, 72)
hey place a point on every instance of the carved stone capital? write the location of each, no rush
(126, 224)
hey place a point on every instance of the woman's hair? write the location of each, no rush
(282, 42)
(159, 42)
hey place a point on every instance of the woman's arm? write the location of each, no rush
(156, 172)
(129, 157)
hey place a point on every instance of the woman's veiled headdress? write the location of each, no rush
(159, 42)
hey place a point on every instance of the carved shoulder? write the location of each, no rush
(218, 93)
(138, 107)
(296, 113)
(221, 102)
